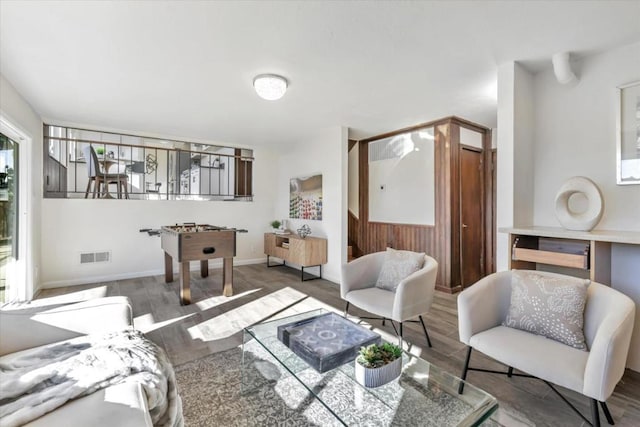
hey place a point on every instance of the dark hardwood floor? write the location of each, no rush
(214, 323)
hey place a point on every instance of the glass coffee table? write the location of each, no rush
(423, 395)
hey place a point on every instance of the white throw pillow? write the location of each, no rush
(548, 304)
(397, 266)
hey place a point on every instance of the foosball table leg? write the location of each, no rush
(204, 268)
(227, 277)
(168, 268)
(185, 292)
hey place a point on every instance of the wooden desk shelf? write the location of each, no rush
(307, 252)
(543, 250)
(581, 253)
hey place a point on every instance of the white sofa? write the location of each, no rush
(33, 325)
(608, 324)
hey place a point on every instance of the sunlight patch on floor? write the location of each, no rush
(219, 300)
(235, 320)
(146, 323)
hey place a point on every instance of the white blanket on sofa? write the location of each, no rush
(47, 377)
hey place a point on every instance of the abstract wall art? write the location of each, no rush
(305, 197)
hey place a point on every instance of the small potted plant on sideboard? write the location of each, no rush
(275, 224)
(377, 365)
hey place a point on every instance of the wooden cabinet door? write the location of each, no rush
(269, 244)
(471, 217)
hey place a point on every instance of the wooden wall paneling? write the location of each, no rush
(494, 207)
(488, 215)
(403, 236)
(372, 237)
(353, 223)
(432, 123)
(353, 233)
(442, 241)
(387, 234)
(469, 125)
(454, 200)
(489, 260)
(379, 237)
(363, 198)
(411, 237)
(442, 235)
(489, 203)
(384, 239)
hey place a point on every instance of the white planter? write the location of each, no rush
(376, 377)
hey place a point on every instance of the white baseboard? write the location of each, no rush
(86, 280)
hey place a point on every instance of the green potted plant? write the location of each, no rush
(275, 224)
(377, 364)
(100, 151)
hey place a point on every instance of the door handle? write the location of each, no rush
(464, 225)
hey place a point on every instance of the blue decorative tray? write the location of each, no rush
(326, 341)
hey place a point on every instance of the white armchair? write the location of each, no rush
(412, 298)
(608, 324)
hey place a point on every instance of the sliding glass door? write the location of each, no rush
(8, 214)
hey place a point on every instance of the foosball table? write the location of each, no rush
(198, 242)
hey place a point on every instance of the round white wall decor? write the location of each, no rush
(579, 221)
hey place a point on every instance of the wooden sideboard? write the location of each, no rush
(307, 252)
(582, 253)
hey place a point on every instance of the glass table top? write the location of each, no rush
(423, 395)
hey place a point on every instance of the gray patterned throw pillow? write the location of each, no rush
(550, 305)
(397, 266)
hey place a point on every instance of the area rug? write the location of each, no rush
(213, 395)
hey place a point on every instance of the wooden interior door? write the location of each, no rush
(471, 217)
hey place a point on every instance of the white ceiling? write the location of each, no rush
(186, 68)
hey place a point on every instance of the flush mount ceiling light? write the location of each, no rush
(270, 86)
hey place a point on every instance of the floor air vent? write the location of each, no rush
(92, 257)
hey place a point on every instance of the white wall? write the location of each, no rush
(575, 135)
(73, 226)
(524, 134)
(394, 183)
(19, 113)
(505, 167)
(324, 153)
(471, 138)
(515, 154)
